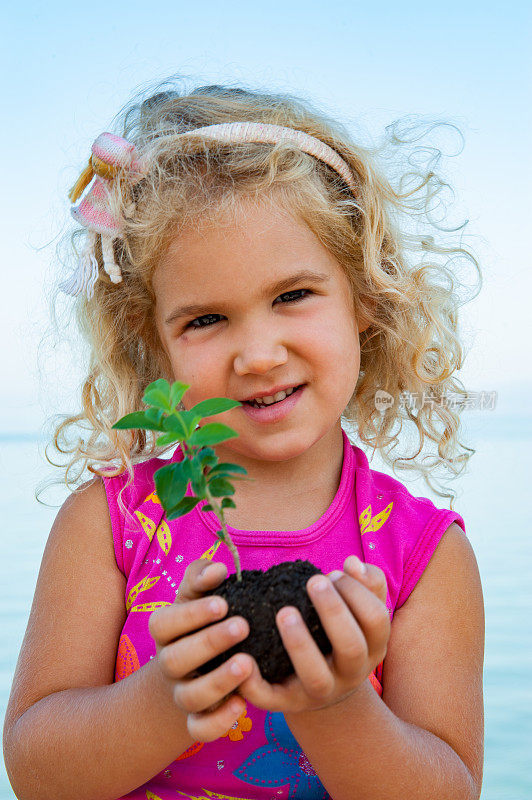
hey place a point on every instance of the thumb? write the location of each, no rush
(200, 578)
(372, 577)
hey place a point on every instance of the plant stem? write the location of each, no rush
(218, 510)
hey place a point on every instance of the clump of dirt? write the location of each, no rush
(258, 598)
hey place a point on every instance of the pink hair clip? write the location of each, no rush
(111, 156)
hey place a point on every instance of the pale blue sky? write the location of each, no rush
(67, 68)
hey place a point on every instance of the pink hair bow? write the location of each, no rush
(111, 157)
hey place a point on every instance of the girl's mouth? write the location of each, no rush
(275, 411)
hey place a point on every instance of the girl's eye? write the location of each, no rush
(296, 291)
(198, 320)
(212, 317)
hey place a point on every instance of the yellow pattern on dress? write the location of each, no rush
(145, 584)
(164, 537)
(209, 554)
(210, 796)
(369, 524)
(151, 606)
(148, 524)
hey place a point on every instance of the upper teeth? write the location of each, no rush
(274, 398)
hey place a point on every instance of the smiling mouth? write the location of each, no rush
(255, 404)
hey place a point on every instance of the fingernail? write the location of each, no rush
(235, 628)
(204, 570)
(337, 573)
(237, 669)
(354, 564)
(235, 706)
(216, 606)
(288, 617)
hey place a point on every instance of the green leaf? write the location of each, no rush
(199, 484)
(207, 507)
(171, 484)
(228, 503)
(198, 479)
(137, 419)
(226, 469)
(177, 390)
(212, 433)
(190, 469)
(155, 416)
(158, 394)
(219, 487)
(175, 424)
(183, 422)
(160, 385)
(157, 400)
(182, 508)
(220, 535)
(167, 438)
(191, 420)
(207, 457)
(215, 405)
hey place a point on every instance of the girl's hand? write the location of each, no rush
(207, 699)
(355, 618)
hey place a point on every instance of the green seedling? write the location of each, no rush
(282, 584)
(200, 467)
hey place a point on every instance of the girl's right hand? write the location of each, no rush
(212, 709)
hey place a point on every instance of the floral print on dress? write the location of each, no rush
(282, 762)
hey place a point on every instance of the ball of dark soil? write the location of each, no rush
(258, 598)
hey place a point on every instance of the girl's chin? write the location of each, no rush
(271, 448)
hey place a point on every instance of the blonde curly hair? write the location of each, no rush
(402, 273)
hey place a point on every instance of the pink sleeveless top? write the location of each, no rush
(372, 516)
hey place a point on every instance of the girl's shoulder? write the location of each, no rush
(135, 510)
(383, 496)
(399, 530)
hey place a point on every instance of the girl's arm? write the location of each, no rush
(69, 730)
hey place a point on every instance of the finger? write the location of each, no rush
(211, 725)
(199, 578)
(185, 655)
(370, 612)
(309, 662)
(210, 575)
(272, 697)
(372, 577)
(170, 622)
(207, 692)
(337, 615)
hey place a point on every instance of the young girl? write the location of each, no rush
(266, 259)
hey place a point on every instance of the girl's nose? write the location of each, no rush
(260, 357)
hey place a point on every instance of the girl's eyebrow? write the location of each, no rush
(266, 291)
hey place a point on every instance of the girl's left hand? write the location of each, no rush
(354, 616)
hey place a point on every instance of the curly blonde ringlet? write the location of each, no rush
(404, 282)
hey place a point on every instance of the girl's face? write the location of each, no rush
(246, 334)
